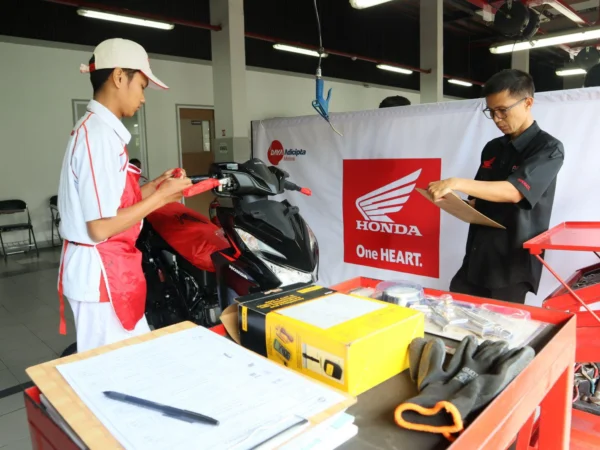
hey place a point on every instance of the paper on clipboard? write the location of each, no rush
(454, 205)
(197, 370)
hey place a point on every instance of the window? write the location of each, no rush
(135, 125)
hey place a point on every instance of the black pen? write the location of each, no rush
(176, 413)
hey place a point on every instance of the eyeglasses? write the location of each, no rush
(501, 113)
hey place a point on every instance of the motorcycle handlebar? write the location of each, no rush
(204, 183)
(198, 178)
(202, 186)
(289, 186)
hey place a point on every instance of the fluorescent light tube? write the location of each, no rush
(124, 19)
(302, 51)
(570, 72)
(460, 82)
(362, 4)
(394, 69)
(548, 41)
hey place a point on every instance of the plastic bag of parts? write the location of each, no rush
(448, 313)
(455, 319)
(515, 313)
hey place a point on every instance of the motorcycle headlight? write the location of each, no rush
(286, 275)
(256, 245)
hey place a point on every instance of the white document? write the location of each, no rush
(326, 436)
(195, 369)
(331, 310)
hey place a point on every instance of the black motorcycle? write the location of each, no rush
(268, 245)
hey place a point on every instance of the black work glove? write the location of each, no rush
(432, 409)
(475, 395)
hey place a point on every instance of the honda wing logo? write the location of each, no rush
(376, 206)
(389, 199)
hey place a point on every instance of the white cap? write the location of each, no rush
(125, 54)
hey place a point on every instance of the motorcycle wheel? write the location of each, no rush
(70, 350)
(161, 319)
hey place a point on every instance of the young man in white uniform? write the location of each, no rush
(102, 205)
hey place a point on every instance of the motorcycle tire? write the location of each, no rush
(70, 350)
(161, 319)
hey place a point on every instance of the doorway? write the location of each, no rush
(196, 135)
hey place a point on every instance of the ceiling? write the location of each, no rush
(388, 32)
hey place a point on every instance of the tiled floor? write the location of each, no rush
(28, 335)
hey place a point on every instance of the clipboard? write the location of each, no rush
(454, 205)
(81, 419)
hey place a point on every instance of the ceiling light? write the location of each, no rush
(394, 69)
(302, 51)
(570, 72)
(460, 82)
(548, 41)
(362, 4)
(124, 19)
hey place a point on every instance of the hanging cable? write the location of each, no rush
(320, 104)
(321, 50)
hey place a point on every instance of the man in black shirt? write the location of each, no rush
(393, 101)
(514, 186)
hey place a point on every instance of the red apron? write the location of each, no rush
(122, 281)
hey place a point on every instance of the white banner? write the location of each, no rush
(384, 152)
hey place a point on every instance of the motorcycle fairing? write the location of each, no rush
(190, 233)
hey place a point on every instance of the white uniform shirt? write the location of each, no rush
(92, 180)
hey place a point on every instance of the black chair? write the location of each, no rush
(55, 219)
(16, 207)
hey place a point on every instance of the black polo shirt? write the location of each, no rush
(495, 258)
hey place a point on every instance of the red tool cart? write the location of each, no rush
(546, 383)
(581, 289)
(577, 294)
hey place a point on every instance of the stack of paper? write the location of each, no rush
(327, 436)
(253, 398)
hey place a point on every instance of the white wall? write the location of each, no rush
(40, 79)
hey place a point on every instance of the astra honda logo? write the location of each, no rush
(276, 153)
(385, 225)
(488, 164)
(376, 206)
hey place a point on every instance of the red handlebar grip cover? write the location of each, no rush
(202, 186)
(306, 191)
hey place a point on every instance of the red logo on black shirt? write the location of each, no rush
(524, 183)
(488, 164)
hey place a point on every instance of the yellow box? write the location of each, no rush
(348, 342)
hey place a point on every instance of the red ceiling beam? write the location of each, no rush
(484, 4)
(560, 5)
(563, 8)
